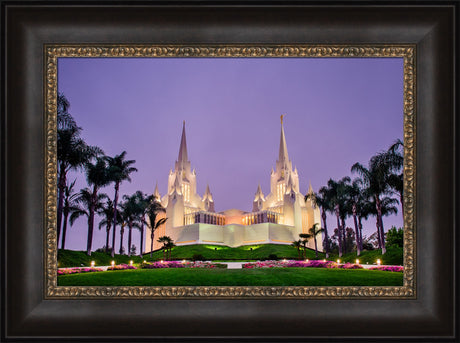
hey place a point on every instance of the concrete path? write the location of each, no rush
(233, 265)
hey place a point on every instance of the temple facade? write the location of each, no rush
(277, 218)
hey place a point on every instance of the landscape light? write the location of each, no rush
(324, 260)
(161, 261)
(93, 263)
(145, 261)
(113, 263)
(378, 261)
(357, 261)
(306, 260)
(284, 260)
(183, 261)
(131, 262)
(338, 261)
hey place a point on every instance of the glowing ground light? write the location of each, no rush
(378, 262)
(131, 263)
(145, 261)
(93, 263)
(324, 260)
(357, 261)
(161, 261)
(307, 260)
(183, 261)
(113, 263)
(338, 261)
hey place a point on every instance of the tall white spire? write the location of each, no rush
(156, 193)
(183, 157)
(259, 194)
(207, 194)
(283, 153)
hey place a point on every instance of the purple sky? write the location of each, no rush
(339, 111)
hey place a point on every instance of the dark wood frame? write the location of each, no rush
(26, 27)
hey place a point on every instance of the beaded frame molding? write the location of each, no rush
(54, 52)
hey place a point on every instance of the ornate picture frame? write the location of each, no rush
(408, 53)
(35, 307)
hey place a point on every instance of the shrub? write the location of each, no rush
(273, 257)
(66, 271)
(198, 257)
(388, 268)
(121, 267)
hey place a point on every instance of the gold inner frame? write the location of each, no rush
(55, 51)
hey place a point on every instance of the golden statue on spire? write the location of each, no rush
(282, 116)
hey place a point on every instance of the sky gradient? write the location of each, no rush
(338, 111)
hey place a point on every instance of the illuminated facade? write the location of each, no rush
(277, 218)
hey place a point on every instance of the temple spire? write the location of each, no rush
(156, 192)
(183, 157)
(283, 154)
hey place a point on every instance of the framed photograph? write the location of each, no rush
(133, 82)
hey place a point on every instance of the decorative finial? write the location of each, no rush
(282, 118)
(183, 122)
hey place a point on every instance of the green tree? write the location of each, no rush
(166, 241)
(395, 237)
(119, 171)
(305, 237)
(298, 245)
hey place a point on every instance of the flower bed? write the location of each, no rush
(388, 268)
(300, 264)
(77, 270)
(121, 267)
(184, 264)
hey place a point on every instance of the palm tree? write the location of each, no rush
(119, 171)
(376, 180)
(121, 216)
(86, 204)
(166, 240)
(69, 206)
(97, 176)
(144, 202)
(396, 180)
(169, 246)
(153, 224)
(72, 154)
(107, 213)
(132, 214)
(314, 231)
(305, 238)
(338, 195)
(357, 201)
(322, 200)
(297, 244)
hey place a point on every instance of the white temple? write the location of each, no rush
(277, 218)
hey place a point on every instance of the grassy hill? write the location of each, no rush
(70, 258)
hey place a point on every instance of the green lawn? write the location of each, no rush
(70, 258)
(235, 277)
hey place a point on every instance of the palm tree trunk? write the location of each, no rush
(326, 238)
(91, 221)
(164, 253)
(107, 236)
(355, 221)
(142, 240)
(151, 244)
(129, 238)
(316, 247)
(380, 224)
(360, 225)
(61, 188)
(114, 219)
(122, 231)
(64, 228)
(344, 237)
(339, 231)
